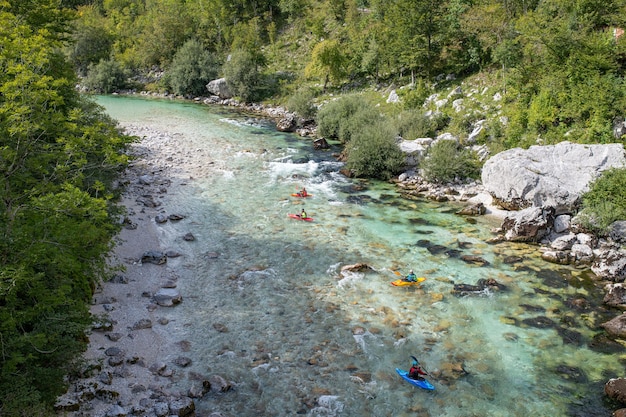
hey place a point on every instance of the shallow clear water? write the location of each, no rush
(267, 307)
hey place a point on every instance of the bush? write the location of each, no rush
(91, 45)
(192, 68)
(446, 161)
(412, 124)
(373, 153)
(105, 77)
(605, 202)
(242, 75)
(413, 98)
(341, 119)
(302, 103)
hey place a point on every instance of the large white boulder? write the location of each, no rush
(555, 176)
(219, 88)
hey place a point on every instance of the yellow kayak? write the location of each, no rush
(404, 283)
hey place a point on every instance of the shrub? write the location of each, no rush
(414, 97)
(105, 77)
(412, 124)
(242, 75)
(373, 153)
(341, 119)
(302, 103)
(192, 68)
(605, 202)
(446, 161)
(91, 44)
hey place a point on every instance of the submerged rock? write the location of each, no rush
(481, 287)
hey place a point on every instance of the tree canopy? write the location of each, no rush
(58, 156)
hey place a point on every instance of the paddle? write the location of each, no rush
(418, 280)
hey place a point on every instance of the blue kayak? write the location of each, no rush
(422, 383)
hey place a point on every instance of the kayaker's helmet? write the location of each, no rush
(411, 271)
(415, 363)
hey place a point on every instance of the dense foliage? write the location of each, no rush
(448, 161)
(556, 67)
(344, 118)
(605, 202)
(192, 69)
(58, 156)
(373, 153)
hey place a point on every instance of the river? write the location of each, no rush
(267, 307)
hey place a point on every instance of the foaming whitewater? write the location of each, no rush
(267, 306)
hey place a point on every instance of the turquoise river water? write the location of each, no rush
(267, 306)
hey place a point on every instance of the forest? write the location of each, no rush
(559, 64)
(556, 66)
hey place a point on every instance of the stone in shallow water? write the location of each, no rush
(571, 337)
(540, 322)
(167, 297)
(571, 373)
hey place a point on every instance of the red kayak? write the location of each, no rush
(298, 217)
(301, 196)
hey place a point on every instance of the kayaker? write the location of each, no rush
(303, 214)
(303, 192)
(411, 277)
(416, 370)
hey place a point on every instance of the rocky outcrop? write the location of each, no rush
(528, 225)
(548, 176)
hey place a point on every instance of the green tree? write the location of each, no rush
(58, 158)
(192, 68)
(373, 153)
(327, 62)
(166, 26)
(105, 77)
(242, 75)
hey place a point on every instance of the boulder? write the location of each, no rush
(582, 254)
(182, 407)
(320, 143)
(528, 225)
(615, 295)
(617, 231)
(358, 267)
(619, 413)
(554, 176)
(564, 242)
(615, 389)
(556, 257)
(287, 123)
(616, 327)
(610, 264)
(219, 88)
(154, 257)
(167, 297)
(562, 223)
(475, 209)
